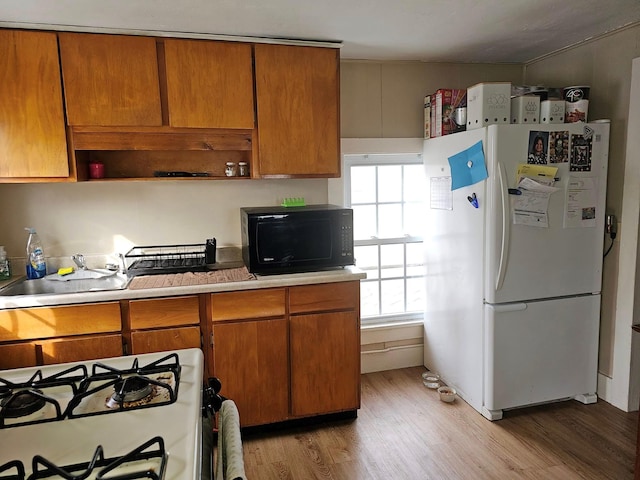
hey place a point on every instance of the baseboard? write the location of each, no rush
(392, 358)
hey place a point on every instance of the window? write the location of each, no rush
(385, 192)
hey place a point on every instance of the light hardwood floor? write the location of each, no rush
(403, 431)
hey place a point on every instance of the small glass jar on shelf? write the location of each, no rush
(230, 169)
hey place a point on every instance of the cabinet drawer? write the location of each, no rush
(163, 340)
(80, 349)
(323, 297)
(43, 322)
(165, 312)
(248, 304)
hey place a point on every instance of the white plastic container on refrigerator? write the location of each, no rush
(513, 311)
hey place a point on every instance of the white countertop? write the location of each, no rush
(262, 281)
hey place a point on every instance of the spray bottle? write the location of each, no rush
(36, 264)
(5, 266)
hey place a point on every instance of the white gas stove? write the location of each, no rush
(141, 413)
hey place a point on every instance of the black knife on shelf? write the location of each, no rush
(162, 173)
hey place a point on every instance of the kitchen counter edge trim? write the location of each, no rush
(262, 281)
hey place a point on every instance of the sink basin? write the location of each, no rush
(43, 286)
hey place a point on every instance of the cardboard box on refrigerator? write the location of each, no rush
(427, 116)
(447, 100)
(488, 103)
(552, 111)
(525, 109)
(432, 124)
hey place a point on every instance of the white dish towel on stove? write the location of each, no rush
(230, 459)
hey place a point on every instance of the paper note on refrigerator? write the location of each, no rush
(468, 167)
(540, 173)
(531, 206)
(580, 207)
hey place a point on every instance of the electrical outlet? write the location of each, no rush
(610, 224)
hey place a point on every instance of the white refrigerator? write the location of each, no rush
(513, 276)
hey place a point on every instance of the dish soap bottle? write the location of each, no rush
(36, 264)
(5, 266)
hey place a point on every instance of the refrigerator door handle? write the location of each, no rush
(506, 225)
(509, 307)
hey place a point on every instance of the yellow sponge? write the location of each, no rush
(65, 271)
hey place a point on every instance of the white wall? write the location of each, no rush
(605, 64)
(108, 217)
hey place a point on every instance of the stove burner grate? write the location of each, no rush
(19, 471)
(151, 385)
(20, 400)
(142, 462)
(22, 403)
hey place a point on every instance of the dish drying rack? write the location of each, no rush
(161, 259)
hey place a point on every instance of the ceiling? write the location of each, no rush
(486, 31)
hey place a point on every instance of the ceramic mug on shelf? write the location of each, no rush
(96, 170)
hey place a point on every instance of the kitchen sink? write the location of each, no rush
(44, 286)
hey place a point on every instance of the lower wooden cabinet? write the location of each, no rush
(280, 353)
(163, 324)
(45, 335)
(324, 342)
(161, 340)
(250, 358)
(288, 353)
(249, 352)
(325, 363)
(17, 355)
(90, 347)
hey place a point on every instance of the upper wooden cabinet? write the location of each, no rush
(133, 102)
(209, 84)
(110, 80)
(297, 97)
(32, 141)
(119, 80)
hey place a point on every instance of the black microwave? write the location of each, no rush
(296, 239)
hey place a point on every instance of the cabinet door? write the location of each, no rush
(250, 359)
(110, 80)
(297, 97)
(79, 349)
(147, 341)
(209, 84)
(325, 363)
(33, 139)
(17, 356)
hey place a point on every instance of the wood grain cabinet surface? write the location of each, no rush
(163, 324)
(250, 358)
(324, 339)
(297, 97)
(162, 340)
(209, 84)
(44, 335)
(76, 349)
(110, 80)
(250, 352)
(33, 142)
(132, 101)
(289, 352)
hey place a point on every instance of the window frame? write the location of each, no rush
(391, 152)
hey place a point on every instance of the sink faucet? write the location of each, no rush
(79, 260)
